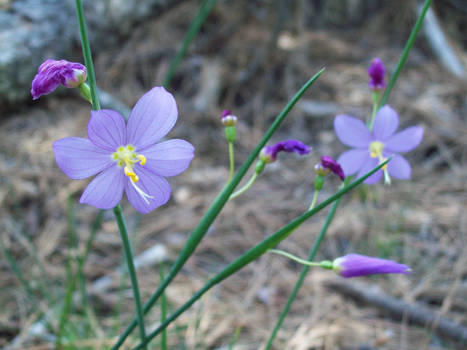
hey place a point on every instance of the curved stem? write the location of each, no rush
(131, 269)
(246, 187)
(313, 202)
(255, 252)
(294, 258)
(232, 163)
(305, 269)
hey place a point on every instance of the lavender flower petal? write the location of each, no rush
(370, 164)
(169, 158)
(107, 130)
(352, 160)
(399, 167)
(405, 140)
(79, 158)
(154, 185)
(386, 123)
(352, 131)
(152, 118)
(106, 189)
(354, 265)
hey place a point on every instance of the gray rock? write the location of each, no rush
(34, 30)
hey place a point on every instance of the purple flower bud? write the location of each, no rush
(228, 119)
(354, 265)
(52, 73)
(328, 164)
(269, 153)
(376, 72)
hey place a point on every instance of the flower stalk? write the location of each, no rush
(131, 269)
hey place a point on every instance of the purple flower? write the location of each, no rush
(228, 119)
(269, 153)
(328, 164)
(376, 72)
(354, 265)
(371, 148)
(52, 73)
(127, 156)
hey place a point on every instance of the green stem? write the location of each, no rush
(256, 251)
(87, 54)
(163, 312)
(131, 269)
(246, 187)
(295, 258)
(215, 208)
(203, 13)
(232, 163)
(405, 53)
(82, 262)
(305, 269)
(70, 276)
(375, 97)
(315, 198)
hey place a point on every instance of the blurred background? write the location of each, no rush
(249, 57)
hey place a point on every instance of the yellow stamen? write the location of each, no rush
(126, 157)
(141, 158)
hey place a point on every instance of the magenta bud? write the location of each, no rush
(52, 73)
(228, 119)
(353, 265)
(328, 165)
(269, 153)
(376, 72)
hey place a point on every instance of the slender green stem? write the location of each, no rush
(131, 269)
(232, 162)
(87, 54)
(405, 53)
(313, 201)
(71, 277)
(375, 97)
(294, 258)
(27, 287)
(96, 224)
(256, 251)
(163, 312)
(203, 13)
(305, 269)
(238, 330)
(215, 208)
(246, 187)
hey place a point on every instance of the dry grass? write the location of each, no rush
(419, 222)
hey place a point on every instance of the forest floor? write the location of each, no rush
(234, 64)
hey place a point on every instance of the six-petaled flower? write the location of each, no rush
(126, 156)
(52, 73)
(371, 148)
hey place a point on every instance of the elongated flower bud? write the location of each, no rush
(376, 72)
(269, 153)
(52, 73)
(354, 265)
(328, 165)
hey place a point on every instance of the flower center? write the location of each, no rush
(376, 151)
(126, 157)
